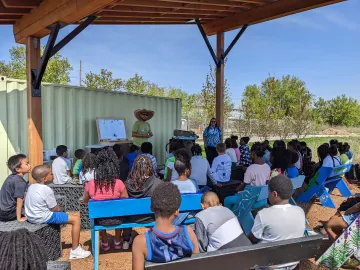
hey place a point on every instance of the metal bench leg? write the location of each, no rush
(343, 188)
(96, 249)
(325, 198)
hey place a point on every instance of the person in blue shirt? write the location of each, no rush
(132, 155)
(293, 157)
(348, 152)
(164, 242)
(212, 137)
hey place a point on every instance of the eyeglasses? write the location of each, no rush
(145, 114)
(213, 122)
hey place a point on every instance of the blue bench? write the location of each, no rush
(323, 184)
(127, 208)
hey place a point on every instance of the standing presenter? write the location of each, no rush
(141, 130)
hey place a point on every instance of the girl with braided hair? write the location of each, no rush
(22, 250)
(106, 186)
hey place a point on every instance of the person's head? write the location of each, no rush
(293, 145)
(280, 190)
(62, 151)
(144, 115)
(342, 147)
(141, 171)
(266, 143)
(165, 201)
(303, 147)
(347, 147)
(196, 150)
(42, 174)
(333, 151)
(22, 249)
(279, 158)
(146, 148)
(333, 141)
(279, 144)
(244, 140)
(79, 153)
(133, 148)
(19, 164)
(293, 157)
(228, 143)
(209, 199)
(233, 137)
(213, 122)
(89, 162)
(323, 151)
(221, 148)
(188, 145)
(107, 169)
(118, 150)
(178, 145)
(234, 143)
(182, 163)
(257, 151)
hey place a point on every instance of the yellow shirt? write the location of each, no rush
(143, 128)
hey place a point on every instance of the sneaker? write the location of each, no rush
(118, 245)
(79, 253)
(126, 244)
(104, 246)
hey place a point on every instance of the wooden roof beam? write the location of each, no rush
(267, 12)
(223, 3)
(105, 14)
(50, 12)
(21, 3)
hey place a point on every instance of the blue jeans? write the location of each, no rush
(231, 201)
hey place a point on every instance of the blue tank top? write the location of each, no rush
(164, 248)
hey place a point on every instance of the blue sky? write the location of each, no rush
(321, 47)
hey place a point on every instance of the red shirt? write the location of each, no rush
(105, 195)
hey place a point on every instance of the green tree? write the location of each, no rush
(137, 85)
(103, 80)
(57, 70)
(187, 101)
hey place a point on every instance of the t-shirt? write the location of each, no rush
(14, 187)
(232, 154)
(174, 174)
(59, 170)
(292, 172)
(187, 186)
(39, 200)
(212, 136)
(142, 128)
(87, 176)
(77, 167)
(266, 157)
(105, 195)
(299, 162)
(200, 170)
(237, 153)
(245, 157)
(212, 227)
(221, 169)
(279, 222)
(344, 159)
(331, 162)
(131, 157)
(257, 175)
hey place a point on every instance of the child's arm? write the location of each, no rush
(201, 235)
(124, 193)
(69, 173)
(241, 187)
(139, 252)
(193, 240)
(168, 178)
(257, 230)
(56, 209)
(352, 210)
(86, 197)
(19, 205)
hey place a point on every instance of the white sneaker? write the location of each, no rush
(126, 244)
(79, 253)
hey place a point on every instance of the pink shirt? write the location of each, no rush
(105, 195)
(237, 153)
(257, 175)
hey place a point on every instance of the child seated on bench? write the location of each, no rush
(79, 154)
(183, 168)
(133, 153)
(41, 208)
(165, 242)
(221, 166)
(281, 221)
(293, 157)
(12, 192)
(61, 168)
(88, 168)
(106, 186)
(216, 227)
(146, 150)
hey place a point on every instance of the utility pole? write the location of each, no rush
(80, 73)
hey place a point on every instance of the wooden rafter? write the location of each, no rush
(106, 14)
(21, 3)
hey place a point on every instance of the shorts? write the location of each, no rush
(58, 218)
(350, 218)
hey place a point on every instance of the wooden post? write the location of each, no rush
(220, 81)
(34, 112)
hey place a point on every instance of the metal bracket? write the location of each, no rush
(51, 50)
(221, 60)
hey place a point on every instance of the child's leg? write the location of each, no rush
(75, 231)
(104, 237)
(118, 235)
(127, 234)
(335, 226)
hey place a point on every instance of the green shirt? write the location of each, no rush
(141, 128)
(344, 159)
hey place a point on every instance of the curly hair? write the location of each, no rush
(22, 249)
(89, 162)
(165, 200)
(142, 169)
(107, 169)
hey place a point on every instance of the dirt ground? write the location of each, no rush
(121, 260)
(334, 131)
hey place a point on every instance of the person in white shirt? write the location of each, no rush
(182, 166)
(200, 168)
(221, 166)
(60, 167)
(88, 168)
(41, 208)
(230, 151)
(281, 221)
(332, 160)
